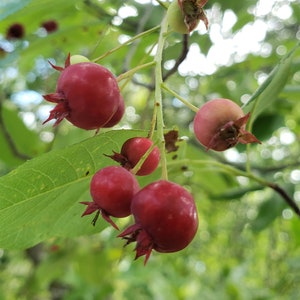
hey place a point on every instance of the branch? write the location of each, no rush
(229, 169)
(261, 169)
(291, 203)
(181, 58)
(149, 86)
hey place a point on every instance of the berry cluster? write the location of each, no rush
(165, 214)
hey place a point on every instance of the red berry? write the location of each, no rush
(50, 26)
(133, 150)
(117, 116)
(87, 95)
(15, 31)
(220, 124)
(112, 189)
(166, 219)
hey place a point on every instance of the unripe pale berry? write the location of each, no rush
(220, 124)
(176, 19)
(75, 59)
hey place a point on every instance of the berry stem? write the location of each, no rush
(248, 162)
(134, 70)
(158, 107)
(185, 102)
(140, 35)
(153, 123)
(141, 63)
(142, 159)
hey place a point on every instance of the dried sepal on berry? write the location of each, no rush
(232, 133)
(171, 138)
(135, 150)
(193, 12)
(144, 243)
(67, 64)
(93, 207)
(61, 110)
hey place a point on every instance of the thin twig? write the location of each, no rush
(138, 36)
(291, 203)
(149, 86)
(140, 28)
(181, 58)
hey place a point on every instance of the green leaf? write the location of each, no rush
(16, 140)
(40, 199)
(268, 211)
(266, 124)
(267, 93)
(9, 7)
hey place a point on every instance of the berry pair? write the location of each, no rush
(113, 187)
(165, 214)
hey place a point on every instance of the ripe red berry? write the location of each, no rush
(15, 31)
(112, 189)
(117, 116)
(166, 219)
(220, 124)
(87, 95)
(133, 150)
(50, 26)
